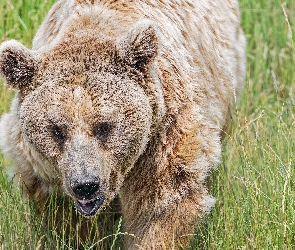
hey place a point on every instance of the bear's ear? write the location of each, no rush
(17, 64)
(139, 46)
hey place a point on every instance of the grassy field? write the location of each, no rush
(254, 185)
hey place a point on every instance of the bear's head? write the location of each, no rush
(85, 106)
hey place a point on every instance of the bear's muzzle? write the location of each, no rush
(89, 207)
(88, 199)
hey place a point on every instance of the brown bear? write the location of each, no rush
(125, 98)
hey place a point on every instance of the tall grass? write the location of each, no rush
(255, 183)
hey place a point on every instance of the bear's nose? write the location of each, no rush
(86, 190)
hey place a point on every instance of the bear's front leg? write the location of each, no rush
(163, 222)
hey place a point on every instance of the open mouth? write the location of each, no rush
(89, 207)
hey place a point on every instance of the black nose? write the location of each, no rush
(86, 190)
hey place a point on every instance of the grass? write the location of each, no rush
(254, 184)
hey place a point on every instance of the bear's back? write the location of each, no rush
(201, 44)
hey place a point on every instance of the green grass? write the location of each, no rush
(254, 185)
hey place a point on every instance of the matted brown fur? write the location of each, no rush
(131, 97)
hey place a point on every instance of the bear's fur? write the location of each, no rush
(125, 97)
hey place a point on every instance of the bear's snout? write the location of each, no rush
(86, 190)
(88, 198)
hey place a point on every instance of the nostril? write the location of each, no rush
(86, 190)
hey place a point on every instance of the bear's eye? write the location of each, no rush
(102, 131)
(58, 134)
